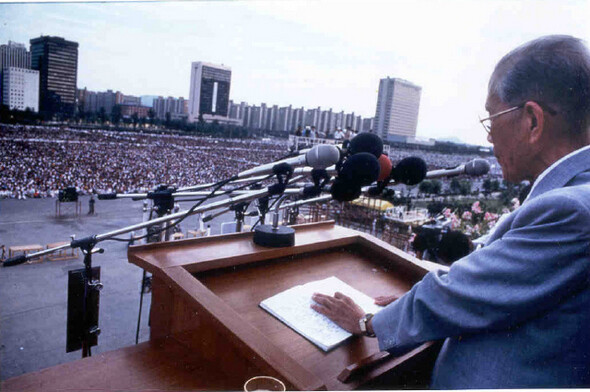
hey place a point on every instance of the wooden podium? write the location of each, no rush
(208, 332)
(206, 293)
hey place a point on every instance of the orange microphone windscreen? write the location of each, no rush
(386, 166)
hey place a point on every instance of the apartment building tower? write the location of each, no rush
(398, 103)
(20, 88)
(19, 85)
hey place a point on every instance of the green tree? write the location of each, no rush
(455, 186)
(102, 115)
(116, 114)
(436, 187)
(465, 187)
(425, 187)
(151, 115)
(135, 119)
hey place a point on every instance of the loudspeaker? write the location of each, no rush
(67, 195)
(75, 326)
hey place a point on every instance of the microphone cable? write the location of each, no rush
(218, 186)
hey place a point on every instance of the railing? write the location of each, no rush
(299, 142)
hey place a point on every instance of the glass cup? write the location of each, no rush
(264, 383)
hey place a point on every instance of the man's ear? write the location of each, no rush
(535, 120)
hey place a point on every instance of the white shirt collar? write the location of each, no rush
(553, 166)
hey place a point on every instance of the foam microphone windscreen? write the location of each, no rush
(477, 167)
(344, 190)
(409, 171)
(322, 156)
(366, 142)
(386, 166)
(362, 168)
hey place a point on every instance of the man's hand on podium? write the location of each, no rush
(340, 309)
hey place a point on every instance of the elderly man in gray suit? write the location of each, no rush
(515, 313)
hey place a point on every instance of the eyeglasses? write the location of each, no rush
(487, 122)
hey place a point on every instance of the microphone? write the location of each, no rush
(476, 167)
(16, 260)
(409, 171)
(320, 156)
(386, 167)
(361, 168)
(366, 142)
(107, 196)
(358, 170)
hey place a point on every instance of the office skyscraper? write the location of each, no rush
(14, 55)
(57, 62)
(396, 117)
(209, 91)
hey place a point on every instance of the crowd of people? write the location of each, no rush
(38, 161)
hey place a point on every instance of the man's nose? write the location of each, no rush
(490, 138)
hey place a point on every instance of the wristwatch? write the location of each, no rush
(363, 325)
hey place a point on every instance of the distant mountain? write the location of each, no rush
(148, 100)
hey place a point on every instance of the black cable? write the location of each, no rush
(218, 186)
(269, 208)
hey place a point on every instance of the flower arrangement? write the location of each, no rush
(474, 221)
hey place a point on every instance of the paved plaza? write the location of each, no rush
(33, 297)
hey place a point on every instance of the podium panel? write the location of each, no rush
(206, 295)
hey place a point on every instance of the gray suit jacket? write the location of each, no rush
(517, 312)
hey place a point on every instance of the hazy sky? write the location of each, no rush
(306, 53)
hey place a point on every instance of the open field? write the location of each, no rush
(33, 297)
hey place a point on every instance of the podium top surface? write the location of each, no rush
(198, 254)
(224, 278)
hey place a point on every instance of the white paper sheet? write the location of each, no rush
(292, 307)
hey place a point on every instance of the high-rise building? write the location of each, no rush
(175, 106)
(284, 119)
(96, 101)
(57, 62)
(396, 116)
(14, 55)
(122, 99)
(20, 88)
(273, 118)
(209, 91)
(368, 124)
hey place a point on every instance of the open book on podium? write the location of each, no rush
(292, 307)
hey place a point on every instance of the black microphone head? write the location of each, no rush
(362, 169)
(375, 191)
(107, 196)
(344, 191)
(366, 142)
(409, 171)
(477, 167)
(282, 168)
(311, 191)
